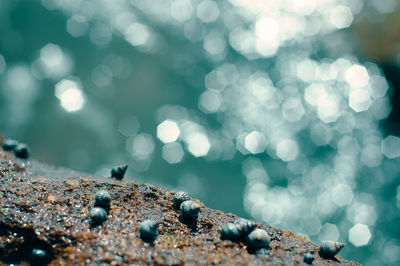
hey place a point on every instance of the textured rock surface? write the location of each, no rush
(48, 208)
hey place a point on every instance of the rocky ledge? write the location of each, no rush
(44, 219)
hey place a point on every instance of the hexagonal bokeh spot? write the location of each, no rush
(287, 150)
(168, 131)
(128, 125)
(172, 152)
(77, 26)
(142, 146)
(255, 142)
(341, 16)
(360, 100)
(359, 235)
(357, 76)
(198, 144)
(390, 147)
(329, 232)
(210, 101)
(69, 92)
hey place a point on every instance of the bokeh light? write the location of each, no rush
(69, 92)
(271, 97)
(168, 131)
(172, 152)
(359, 235)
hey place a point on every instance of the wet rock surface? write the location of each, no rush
(47, 208)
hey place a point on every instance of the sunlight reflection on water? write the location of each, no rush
(278, 82)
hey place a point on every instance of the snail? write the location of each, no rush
(190, 210)
(9, 144)
(231, 232)
(103, 199)
(21, 151)
(308, 257)
(148, 231)
(180, 197)
(238, 230)
(258, 239)
(246, 226)
(118, 172)
(98, 215)
(329, 249)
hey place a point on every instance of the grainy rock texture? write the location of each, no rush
(47, 208)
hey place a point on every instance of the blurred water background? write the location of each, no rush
(272, 110)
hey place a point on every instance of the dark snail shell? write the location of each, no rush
(245, 226)
(98, 215)
(9, 144)
(231, 232)
(180, 197)
(103, 199)
(308, 257)
(118, 172)
(21, 151)
(148, 231)
(190, 210)
(329, 249)
(238, 230)
(258, 239)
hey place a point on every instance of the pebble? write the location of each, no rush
(38, 256)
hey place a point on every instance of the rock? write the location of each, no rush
(62, 227)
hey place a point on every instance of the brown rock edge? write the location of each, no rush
(47, 208)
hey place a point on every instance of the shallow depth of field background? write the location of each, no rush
(281, 111)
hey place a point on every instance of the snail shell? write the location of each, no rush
(98, 215)
(148, 231)
(258, 239)
(180, 197)
(231, 232)
(10, 144)
(21, 151)
(245, 226)
(190, 210)
(102, 199)
(308, 257)
(329, 249)
(238, 230)
(118, 172)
